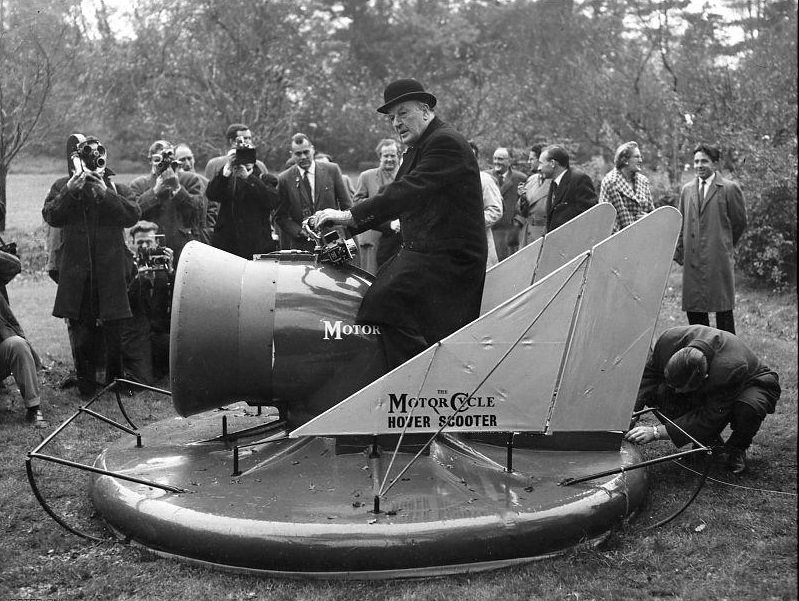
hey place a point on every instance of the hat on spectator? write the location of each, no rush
(402, 90)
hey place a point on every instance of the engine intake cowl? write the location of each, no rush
(278, 330)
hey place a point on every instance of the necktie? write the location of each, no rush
(501, 179)
(307, 203)
(701, 189)
(553, 187)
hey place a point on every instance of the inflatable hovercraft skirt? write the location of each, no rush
(497, 445)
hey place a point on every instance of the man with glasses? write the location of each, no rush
(172, 198)
(434, 284)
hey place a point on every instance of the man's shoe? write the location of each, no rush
(736, 460)
(35, 418)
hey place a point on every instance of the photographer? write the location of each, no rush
(17, 356)
(246, 196)
(172, 198)
(236, 133)
(145, 336)
(94, 262)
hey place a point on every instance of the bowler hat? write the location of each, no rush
(402, 90)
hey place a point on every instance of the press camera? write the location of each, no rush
(152, 258)
(245, 152)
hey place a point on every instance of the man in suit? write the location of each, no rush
(172, 198)
(713, 220)
(434, 284)
(571, 191)
(304, 188)
(506, 235)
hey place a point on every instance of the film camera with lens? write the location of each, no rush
(152, 259)
(164, 160)
(84, 154)
(245, 152)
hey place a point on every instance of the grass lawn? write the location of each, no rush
(736, 542)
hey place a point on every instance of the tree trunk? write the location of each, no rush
(3, 197)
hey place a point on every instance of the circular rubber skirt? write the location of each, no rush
(306, 507)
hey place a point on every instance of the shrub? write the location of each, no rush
(767, 251)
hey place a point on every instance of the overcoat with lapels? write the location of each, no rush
(434, 284)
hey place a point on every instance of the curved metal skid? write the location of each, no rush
(299, 507)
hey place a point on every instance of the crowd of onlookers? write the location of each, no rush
(113, 248)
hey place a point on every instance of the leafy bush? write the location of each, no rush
(767, 251)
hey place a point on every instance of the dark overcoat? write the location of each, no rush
(434, 284)
(706, 247)
(244, 224)
(94, 252)
(733, 372)
(180, 218)
(575, 194)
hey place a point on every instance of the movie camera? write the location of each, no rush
(245, 152)
(85, 154)
(164, 160)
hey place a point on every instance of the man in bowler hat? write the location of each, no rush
(434, 284)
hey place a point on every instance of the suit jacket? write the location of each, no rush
(434, 284)
(180, 218)
(706, 247)
(330, 192)
(574, 194)
(94, 253)
(732, 367)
